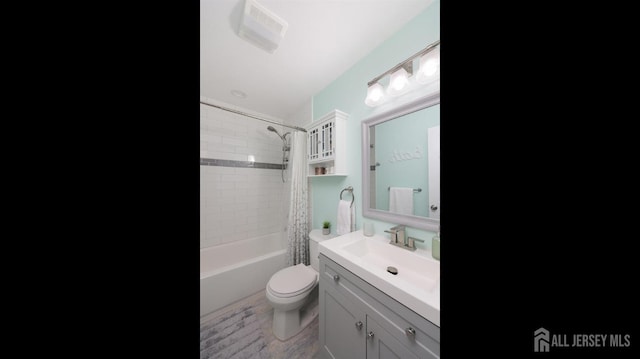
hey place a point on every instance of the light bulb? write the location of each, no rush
(429, 66)
(375, 95)
(399, 82)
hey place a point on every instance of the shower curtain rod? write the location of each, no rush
(252, 116)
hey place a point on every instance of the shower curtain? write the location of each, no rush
(297, 227)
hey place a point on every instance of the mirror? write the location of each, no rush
(401, 164)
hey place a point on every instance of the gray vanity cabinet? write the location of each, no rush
(382, 345)
(358, 320)
(343, 325)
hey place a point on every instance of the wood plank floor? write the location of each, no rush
(304, 345)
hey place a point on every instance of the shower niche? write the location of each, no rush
(327, 144)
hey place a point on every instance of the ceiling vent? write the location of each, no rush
(261, 27)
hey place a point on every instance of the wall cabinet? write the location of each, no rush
(359, 321)
(327, 142)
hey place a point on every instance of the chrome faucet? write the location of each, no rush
(412, 244)
(399, 238)
(398, 234)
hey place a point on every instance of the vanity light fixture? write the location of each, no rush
(375, 95)
(429, 66)
(401, 79)
(399, 82)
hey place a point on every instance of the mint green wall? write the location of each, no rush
(347, 94)
(394, 140)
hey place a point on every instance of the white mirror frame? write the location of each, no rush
(425, 223)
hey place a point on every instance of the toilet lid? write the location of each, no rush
(292, 281)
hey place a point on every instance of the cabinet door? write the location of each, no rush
(327, 143)
(322, 143)
(342, 325)
(382, 345)
(314, 143)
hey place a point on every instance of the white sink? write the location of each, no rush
(417, 283)
(411, 268)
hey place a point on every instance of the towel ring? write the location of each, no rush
(350, 189)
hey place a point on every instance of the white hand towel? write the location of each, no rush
(345, 217)
(401, 200)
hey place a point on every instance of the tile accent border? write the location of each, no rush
(241, 164)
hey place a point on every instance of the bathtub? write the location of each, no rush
(232, 271)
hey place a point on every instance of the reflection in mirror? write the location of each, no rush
(405, 159)
(401, 164)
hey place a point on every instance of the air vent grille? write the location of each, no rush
(262, 27)
(266, 20)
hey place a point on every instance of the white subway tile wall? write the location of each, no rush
(238, 203)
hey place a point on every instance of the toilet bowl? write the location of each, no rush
(293, 293)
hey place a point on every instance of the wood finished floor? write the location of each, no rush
(304, 345)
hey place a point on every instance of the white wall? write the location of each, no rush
(239, 203)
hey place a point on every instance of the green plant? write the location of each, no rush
(326, 224)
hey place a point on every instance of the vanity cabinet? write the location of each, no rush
(327, 144)
(358, 320)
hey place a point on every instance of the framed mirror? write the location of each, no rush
(401, 164)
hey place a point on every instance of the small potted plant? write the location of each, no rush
(326, 227)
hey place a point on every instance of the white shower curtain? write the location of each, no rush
(297, 227)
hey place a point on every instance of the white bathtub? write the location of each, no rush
(232, 271)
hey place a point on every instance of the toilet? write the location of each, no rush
(293, 292)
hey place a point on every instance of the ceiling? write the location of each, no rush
(324, 38)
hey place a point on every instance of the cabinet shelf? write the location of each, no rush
(330, 175)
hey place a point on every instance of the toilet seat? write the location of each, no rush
(292, 281)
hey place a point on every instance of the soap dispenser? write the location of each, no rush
(435, 246)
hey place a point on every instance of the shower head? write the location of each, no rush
(270, 128)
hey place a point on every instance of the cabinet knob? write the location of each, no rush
(410, 332)
(336, 277)
(359, 325)
(370, 336)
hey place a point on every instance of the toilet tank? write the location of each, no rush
(315, 237)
